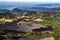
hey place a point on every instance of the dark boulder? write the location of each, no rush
(49, 28)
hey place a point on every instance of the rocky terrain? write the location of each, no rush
(17, 26)
(24, 25)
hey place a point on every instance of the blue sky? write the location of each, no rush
(51, 1)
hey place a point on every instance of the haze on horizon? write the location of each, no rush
(41, 1)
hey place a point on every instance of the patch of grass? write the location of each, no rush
(1, 22)
(55, 23)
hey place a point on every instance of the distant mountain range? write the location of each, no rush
(29, 7)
